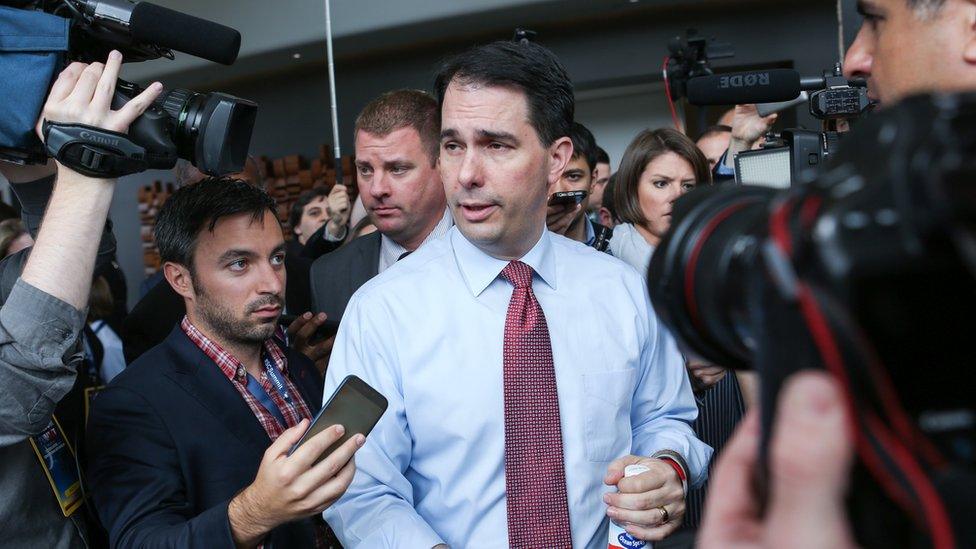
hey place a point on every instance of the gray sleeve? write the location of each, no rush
(38, 357)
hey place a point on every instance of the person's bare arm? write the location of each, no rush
(63, 258)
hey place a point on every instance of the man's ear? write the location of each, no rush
(179, 279)
(969, 48)
(560, 153)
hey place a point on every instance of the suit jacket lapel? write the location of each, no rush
(203, 380)
(369, 265)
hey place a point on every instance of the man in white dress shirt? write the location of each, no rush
(518, 388)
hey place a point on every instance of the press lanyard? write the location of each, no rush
(275, 376)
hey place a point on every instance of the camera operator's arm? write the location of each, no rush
(63, 258)
(41, 319)
(810, 459)
(747, 128)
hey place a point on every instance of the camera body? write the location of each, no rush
(867, 271)
(796, 155)
(212, 130)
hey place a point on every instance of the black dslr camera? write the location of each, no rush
(211, 130)
(869, 272)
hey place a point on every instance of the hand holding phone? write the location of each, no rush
(292, 485)
(567, 198)
(354, 405)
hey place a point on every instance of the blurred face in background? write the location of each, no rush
(399, 186)
(903, 50)
(601, 175)
(314, 215)
(714, 145)
(663, 180)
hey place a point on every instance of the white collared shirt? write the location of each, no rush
(390, 251)
(428, 334)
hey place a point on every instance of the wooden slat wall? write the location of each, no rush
(285, 180)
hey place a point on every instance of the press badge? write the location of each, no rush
(58, 460)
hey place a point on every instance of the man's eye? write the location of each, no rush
(574, 177)
(278, 259)
(451, 146)
(496, 146)
(399, 170)
(238, 265)
(363, 170)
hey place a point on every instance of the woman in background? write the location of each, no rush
(658, 167)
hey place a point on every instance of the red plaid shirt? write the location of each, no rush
(293, 412)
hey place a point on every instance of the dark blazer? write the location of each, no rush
(336, 276)
(171, 442)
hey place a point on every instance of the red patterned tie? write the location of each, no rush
(535, 477)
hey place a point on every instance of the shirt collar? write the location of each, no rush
(390, 251)
(480, 269)
(228, 363)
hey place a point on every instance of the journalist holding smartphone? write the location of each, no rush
(189, 446)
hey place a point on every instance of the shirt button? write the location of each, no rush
(240, 372)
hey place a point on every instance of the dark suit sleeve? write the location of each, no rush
(317, 245)
(136, 479)
(151, 320)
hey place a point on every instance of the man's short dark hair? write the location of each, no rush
(404, 109)
(601, 156)
(584, 144)
(298, 208)
(192, 208)
(527, 67)
(716, 129)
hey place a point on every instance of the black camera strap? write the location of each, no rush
(92, 151)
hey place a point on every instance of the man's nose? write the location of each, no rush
(858, 60)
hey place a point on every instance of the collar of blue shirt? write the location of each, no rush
(480, 269)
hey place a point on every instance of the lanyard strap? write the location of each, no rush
(276, 379)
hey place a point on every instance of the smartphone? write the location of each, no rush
(354, 405)
(567, 198)
(325, 331)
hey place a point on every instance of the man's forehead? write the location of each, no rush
(399, 142)
(316, 201)
(462, 97)
(577, 163)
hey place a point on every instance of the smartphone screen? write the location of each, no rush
(355, 405)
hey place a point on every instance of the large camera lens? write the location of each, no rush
(212, 131)
(697, 277)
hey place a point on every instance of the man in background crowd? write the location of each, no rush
(570, 220)
(315, 211)
(714, 141)
(396, 160)
(600, 179)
